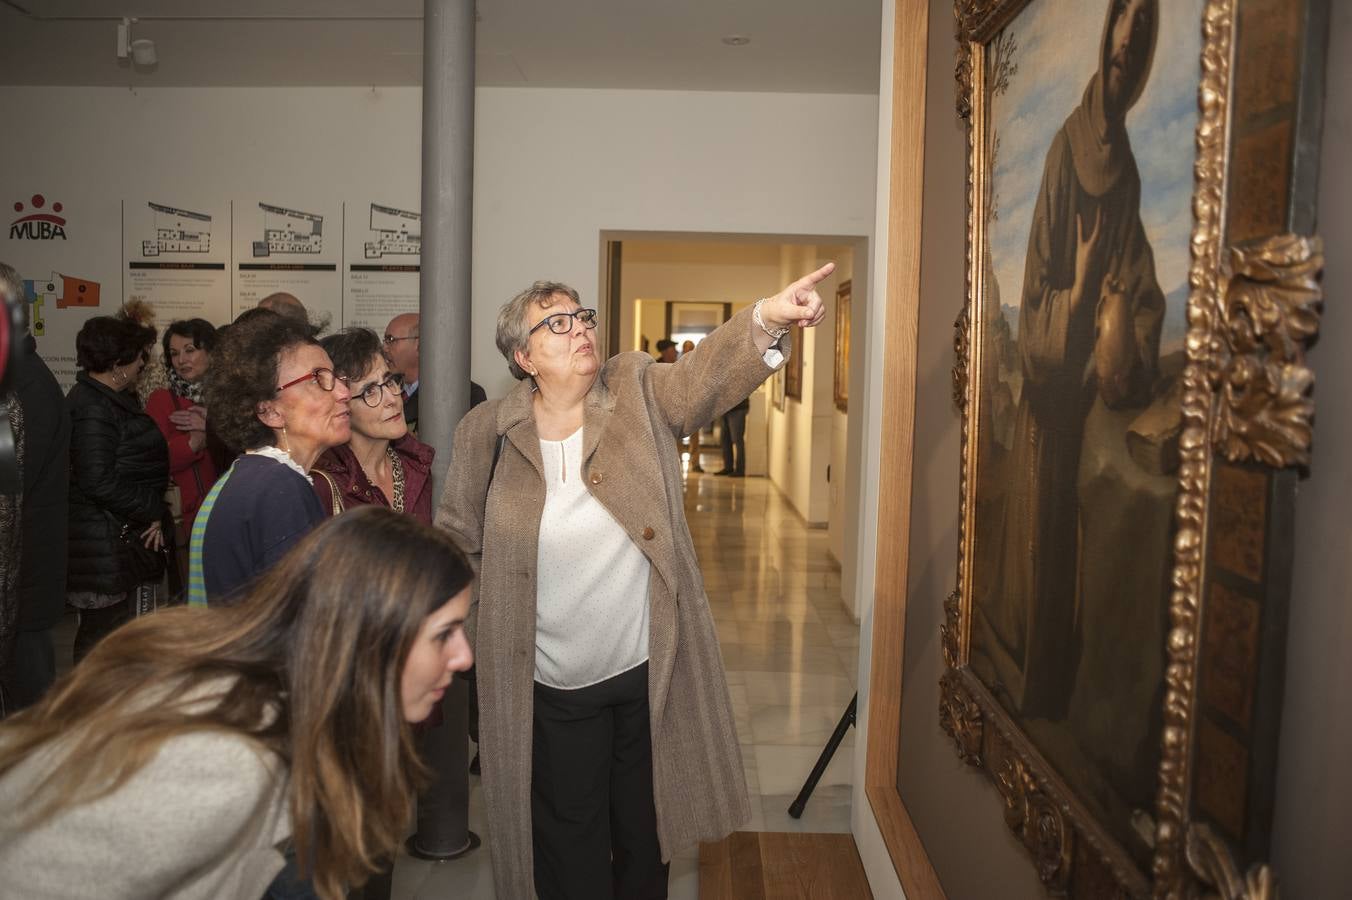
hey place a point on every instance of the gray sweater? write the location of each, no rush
(202, 820)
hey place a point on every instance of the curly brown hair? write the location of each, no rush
(243, 374)
(105, 342)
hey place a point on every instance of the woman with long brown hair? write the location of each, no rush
(188, 745)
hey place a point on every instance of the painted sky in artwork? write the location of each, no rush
(1052, 75)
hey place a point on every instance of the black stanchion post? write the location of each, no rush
(796, 807)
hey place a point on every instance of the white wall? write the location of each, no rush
(553, 168)
(650, 322)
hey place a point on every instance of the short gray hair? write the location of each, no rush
(11, 285)
(512, 329)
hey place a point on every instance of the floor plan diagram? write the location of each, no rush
(397, 232)
(178, 231)
(289, 231)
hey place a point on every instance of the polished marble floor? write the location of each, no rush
(789, 648)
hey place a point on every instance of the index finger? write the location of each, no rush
(813, 278)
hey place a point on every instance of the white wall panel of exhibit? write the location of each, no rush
(553, 169)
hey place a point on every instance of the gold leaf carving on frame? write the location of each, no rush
(1172, 880)
(1269, 316)
(960, 717)
(961, 336)
(1037, 820)
(968, 15)
(948, 631)
(1211, 861)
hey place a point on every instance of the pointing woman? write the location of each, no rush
(606, 731)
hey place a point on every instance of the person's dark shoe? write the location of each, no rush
(738, 474)
(697, 468)
(474, 765)
(723, 472)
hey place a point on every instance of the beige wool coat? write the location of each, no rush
(631, 464)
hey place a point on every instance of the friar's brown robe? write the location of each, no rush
(1027, 608)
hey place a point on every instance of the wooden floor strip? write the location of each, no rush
(782, 866)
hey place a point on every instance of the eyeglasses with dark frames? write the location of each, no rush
(371, 392)
(321, 376)
(562, 323)
(391, 339)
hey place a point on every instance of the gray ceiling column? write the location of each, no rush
(447, 216)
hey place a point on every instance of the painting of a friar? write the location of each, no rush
(1089, 323)
(1071, 565)
(1090, 111)
(1089, 226)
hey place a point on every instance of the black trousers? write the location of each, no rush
(96, 624)
(595, 825)
(734, 436)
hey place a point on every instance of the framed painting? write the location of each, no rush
(777, 395)
(842, 372)
(1142, 283)
(694, 320)
(793, 370)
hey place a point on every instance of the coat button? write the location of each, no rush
(596, 478)
(648, 533)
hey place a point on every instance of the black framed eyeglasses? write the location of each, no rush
(371, 393)
(562, 323)
(321, 376)
(391, 339)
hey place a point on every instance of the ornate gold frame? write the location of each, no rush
(841, 376)
(1253, 308)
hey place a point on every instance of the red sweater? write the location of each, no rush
(194, 473)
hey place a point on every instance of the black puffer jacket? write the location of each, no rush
(46, 492)
(119, 469)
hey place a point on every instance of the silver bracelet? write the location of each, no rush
(775, 333)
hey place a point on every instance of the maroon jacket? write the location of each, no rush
(355, 489)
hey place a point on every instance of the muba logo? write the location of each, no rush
(38, 226)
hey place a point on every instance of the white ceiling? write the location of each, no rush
(806, 46)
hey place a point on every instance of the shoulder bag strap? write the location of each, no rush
(493, 470)
(497, 452)
(333, 490)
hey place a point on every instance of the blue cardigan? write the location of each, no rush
(256, 511)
